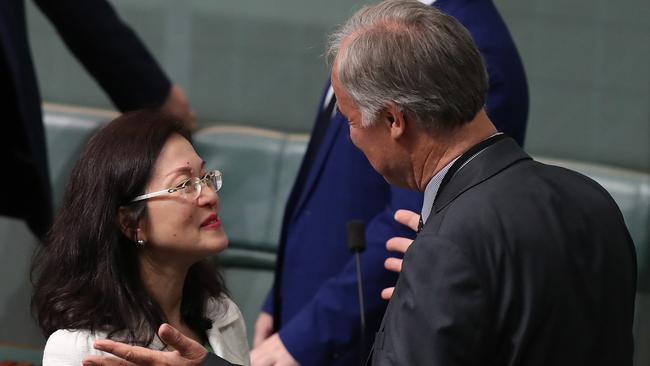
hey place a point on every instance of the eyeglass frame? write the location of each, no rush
(195, 180)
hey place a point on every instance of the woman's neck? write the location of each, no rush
(164, 283)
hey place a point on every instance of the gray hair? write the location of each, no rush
(413, 55)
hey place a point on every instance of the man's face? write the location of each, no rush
(374, 141)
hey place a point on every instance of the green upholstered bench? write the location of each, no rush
(67, 129)
(21, 354)
(259, 167)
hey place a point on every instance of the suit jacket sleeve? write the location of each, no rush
(334, 310)
(110, 51)
(214, 360)
(440, 295)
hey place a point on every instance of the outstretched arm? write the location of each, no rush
(186, 352)
(115, 56)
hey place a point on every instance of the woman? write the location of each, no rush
(130, 248)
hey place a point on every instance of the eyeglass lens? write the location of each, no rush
(212, 180)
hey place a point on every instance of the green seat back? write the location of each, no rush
(19, 353)
(259, 167)
(67, 129)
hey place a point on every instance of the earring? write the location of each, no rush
(141, 242)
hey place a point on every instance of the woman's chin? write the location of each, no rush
(218, 244)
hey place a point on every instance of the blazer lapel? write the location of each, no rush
(488, 163)
(319, 129)
(315, 170)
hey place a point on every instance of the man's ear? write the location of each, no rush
(393, 116)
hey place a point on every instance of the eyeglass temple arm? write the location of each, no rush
(153, 194)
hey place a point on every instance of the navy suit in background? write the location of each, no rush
(107, 48)
(314, 299)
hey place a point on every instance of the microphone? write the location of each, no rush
(356, 233)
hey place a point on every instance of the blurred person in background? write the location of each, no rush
(130, 248)
(109, 50)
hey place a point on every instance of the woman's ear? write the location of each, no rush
(126, 224)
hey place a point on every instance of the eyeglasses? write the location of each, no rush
(190, 188)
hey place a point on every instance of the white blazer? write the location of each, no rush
(227, 338)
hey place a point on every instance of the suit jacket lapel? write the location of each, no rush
(315, 170)
(324, 132)
(488, 163)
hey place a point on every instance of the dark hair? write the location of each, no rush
(86, 274)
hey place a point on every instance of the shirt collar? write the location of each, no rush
(431, 191)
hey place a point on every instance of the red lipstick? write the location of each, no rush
(212, 222)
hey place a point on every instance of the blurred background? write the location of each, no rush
(259, 64)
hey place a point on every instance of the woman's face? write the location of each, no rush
(178, 225)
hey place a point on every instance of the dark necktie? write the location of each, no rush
(420, 224)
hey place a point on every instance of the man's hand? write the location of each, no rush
(263, 328)
(399, 244)
(272, 353)
(187, 352)
(177, 105)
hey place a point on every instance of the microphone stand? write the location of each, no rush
(362, 311)
(357, 243)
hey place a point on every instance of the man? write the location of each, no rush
(109, 50)
(517, 263)
(311, 315)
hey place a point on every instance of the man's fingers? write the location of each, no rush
(398, 244)
(105, 361)
(408, 218)
(258, 338)
(172, 337)
(263, 328)
(393, 264)
(187, 347)
(262, 355)
(387, 293)
(134, 354)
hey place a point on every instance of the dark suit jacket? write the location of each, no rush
(314, 299)
(214, 360)
(108, 49)
(520, 263)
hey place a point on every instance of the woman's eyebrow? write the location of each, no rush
(182, 169)
(185, 169)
